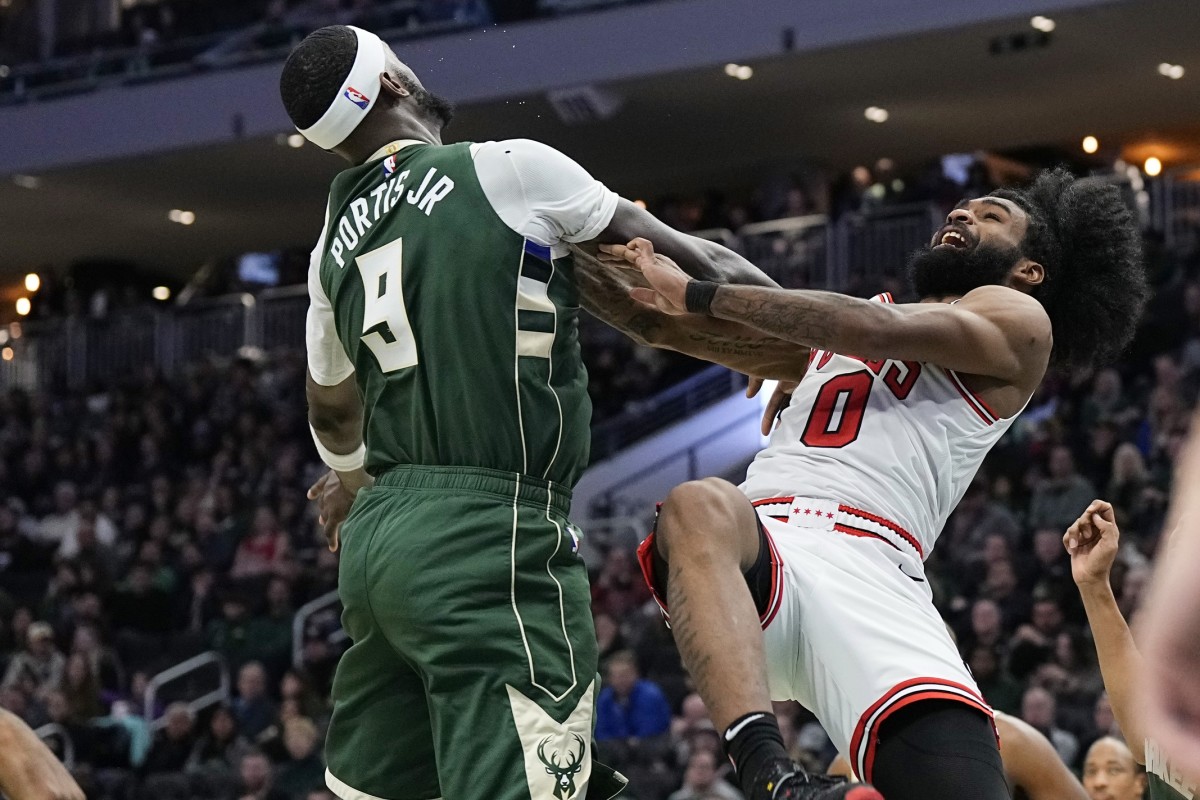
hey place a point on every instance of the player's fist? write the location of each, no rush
(667, 290)
(1092, 543)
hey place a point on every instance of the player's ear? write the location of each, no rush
(391, 86)
(1030, 272)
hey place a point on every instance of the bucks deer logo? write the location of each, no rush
(564, 774)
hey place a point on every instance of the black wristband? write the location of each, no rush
(698, 298)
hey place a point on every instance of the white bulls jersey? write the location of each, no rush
(893, 444)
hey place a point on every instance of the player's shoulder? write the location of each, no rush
(1009, 303)
(514, 148)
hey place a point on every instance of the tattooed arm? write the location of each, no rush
(992, 331)
(698, 257)
(604, 291)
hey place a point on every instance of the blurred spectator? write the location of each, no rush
(1058, 498)
(996, 685)
(40, 667)
(693, 716)
(1050, 566)
(303, 769)
(264, 550)
(1127, 487)
(172, 745)
(257, 779)
(221, 746)
(255, 711)
(701, 782)
(1033, 643)
(978, 516)
(630, 707)
(609, 638)
(1110, 773)
(81, 689)
(620, 588)
(1039, 709)
(294, 687)
(138, 606)
(1107, 401)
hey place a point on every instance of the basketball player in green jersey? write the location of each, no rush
(445, 379)
(1092, 542)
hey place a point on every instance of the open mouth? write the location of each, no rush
(953, 239)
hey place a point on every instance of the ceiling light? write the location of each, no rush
(182, 217)
(1172, 71)
(1090, 144)
(739, 71)
(27, 181)
(14, 330)
(5, 70)
(7, 354)
(1152, 166)
(3, 336)
(295, 140)
(23, 306)
(161, 293)
(1043, 24)
(32, 282)
(876, 114)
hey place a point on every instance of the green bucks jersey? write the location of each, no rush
(443, 282)
(1163, 782)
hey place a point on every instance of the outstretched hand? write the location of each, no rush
(1092, 542)
(667, 291)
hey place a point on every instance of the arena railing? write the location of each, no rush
(52, 730)
(78, 352)
(261, 42)
(1175, 210)
(872, 248)
(184, 669)
(325, 602)
(646, 416)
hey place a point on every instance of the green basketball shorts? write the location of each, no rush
(472, 674)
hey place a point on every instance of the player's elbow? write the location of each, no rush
(329, 418)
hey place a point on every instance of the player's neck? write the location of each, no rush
(362, 144)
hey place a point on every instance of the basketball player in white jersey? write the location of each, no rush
(808, 582)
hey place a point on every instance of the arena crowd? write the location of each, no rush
(151, 519)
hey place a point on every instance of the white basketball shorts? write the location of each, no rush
(850, 629)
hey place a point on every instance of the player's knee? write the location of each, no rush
(706, 516)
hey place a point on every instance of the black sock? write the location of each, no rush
(751, 741)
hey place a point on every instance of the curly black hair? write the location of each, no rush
(315, 71)
(1095, 288)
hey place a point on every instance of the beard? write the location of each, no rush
(946, 271)
(431, 105)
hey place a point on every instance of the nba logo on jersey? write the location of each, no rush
(389, 166)
(358, 98)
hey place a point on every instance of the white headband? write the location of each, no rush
(356, 97)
